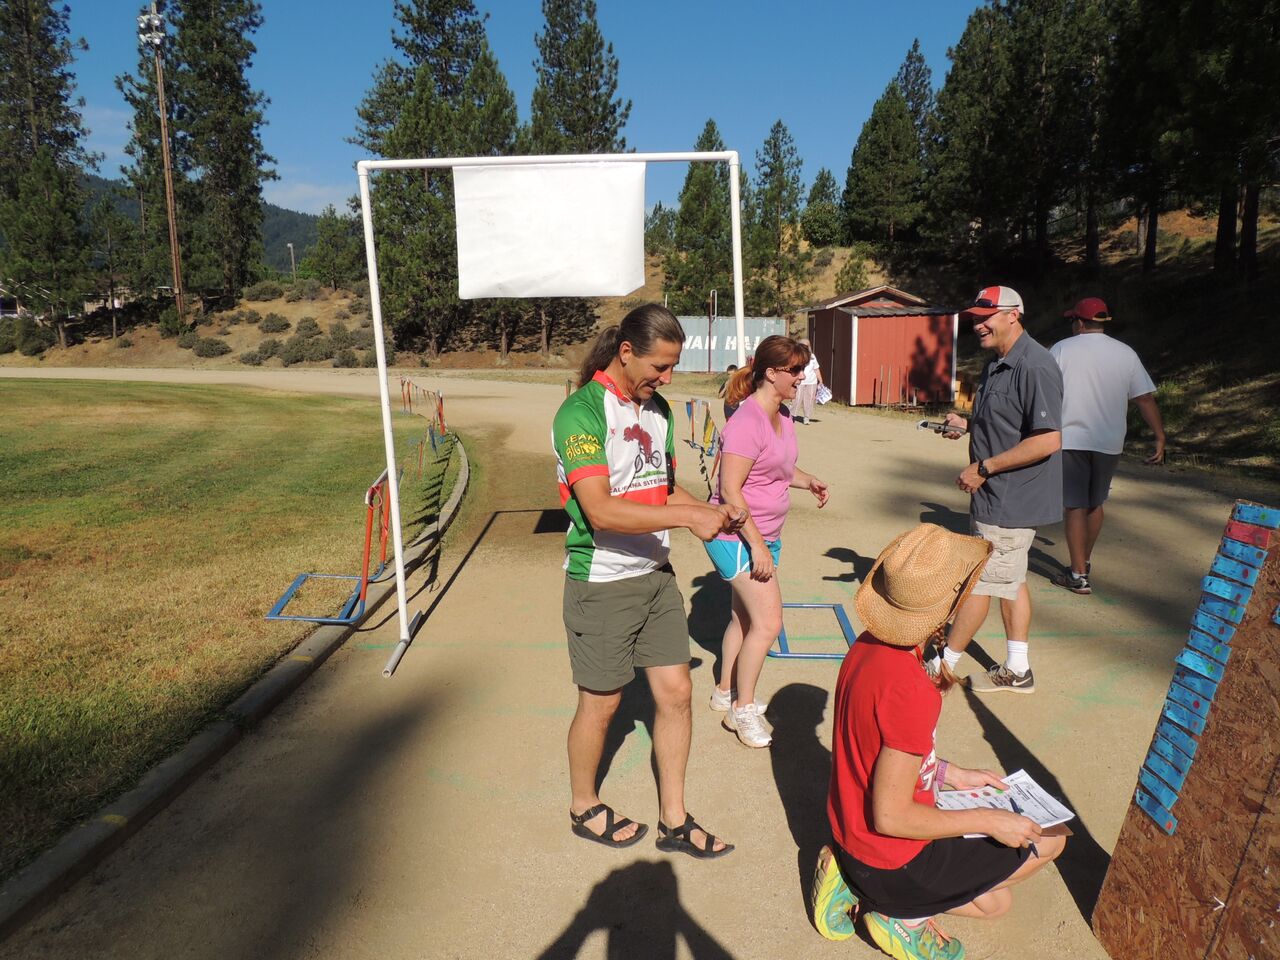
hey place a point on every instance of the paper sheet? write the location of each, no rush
(1032, 800)
(550, 230)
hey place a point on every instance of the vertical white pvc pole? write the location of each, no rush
(388, 436)
(735, 222)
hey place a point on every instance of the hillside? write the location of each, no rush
(279, 226)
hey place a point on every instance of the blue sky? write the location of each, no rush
(818, 65)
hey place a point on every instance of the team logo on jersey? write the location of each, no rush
(581, 446)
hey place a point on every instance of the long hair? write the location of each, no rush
(944, 679)
(643, 327)
(773, 351)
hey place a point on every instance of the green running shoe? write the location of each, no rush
(833, 901)
(925, 942)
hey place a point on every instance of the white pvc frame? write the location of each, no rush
(365, 167)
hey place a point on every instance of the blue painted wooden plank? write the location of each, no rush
(1213, 626)
(1172, 755)
(1166, 771)
(1189, 699)
(1201, 664)
(1258, 515)
(1165, 820)
(1243, 552)
(1178, 737)
(1234, 570)
(1210, 648)
(1221, 609)
(1155, 786)
(1233, 593)
(1202, 686)
(1183, 717)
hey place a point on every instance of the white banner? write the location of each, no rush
(550, 230)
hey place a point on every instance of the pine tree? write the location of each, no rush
(38, 106)
(46, 249)
(446, 97)
(337, 257)
(821, 218)
(852, 277)
(220, 119)
(113, 236)
(659, 230)
(445, 35)
(575, 107)
(915, 80)
(972, 167)
(882, 196)
(701, 258)
(778, 265)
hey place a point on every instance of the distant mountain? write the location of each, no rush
(279, 226)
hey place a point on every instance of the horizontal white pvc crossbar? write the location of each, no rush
(365, 167)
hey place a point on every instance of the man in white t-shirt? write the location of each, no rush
(1100, 377)
(807, 388)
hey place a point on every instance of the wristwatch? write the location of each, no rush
(983, 472)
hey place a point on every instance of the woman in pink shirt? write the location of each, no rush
(757, 470)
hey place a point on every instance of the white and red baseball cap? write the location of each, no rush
(994, 299)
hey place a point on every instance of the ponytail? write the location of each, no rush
(739, 385)
(603, 349)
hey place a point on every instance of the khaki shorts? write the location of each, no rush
(1006, 568)
(617, 626)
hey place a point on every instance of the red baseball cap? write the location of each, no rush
(992, 300)
(1090, 308)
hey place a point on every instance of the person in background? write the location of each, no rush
(807, 390)
(724, 385)
(895, 855)
(757, 471)
(614, 441)
(1100, 378)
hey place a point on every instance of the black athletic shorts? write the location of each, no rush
(944, 875)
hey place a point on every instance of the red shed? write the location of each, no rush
(884, 345)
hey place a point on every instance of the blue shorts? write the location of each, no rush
(732, 557)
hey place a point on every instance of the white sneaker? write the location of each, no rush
(721, 701)
(747, 723)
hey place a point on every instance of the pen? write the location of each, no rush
(1018, 810)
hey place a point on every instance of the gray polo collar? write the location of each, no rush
(1015, 353)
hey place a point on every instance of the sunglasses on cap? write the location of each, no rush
(985, 304)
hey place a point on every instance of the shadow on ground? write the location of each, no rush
(638, 907)
(801, 771)
(1083, 864)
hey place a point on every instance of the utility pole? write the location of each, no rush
(293, 265)
(151, 33)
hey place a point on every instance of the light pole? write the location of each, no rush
(293, 266)
(151, 34)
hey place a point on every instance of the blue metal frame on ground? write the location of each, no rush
(784, 651)
(351, 611)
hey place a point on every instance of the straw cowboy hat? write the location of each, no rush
(917, 581)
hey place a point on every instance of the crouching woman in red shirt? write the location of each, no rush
(896, 856)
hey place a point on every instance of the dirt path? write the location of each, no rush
(424, 816)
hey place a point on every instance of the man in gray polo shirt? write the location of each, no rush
(1014, 478)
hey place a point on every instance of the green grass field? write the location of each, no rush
(144, 532)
